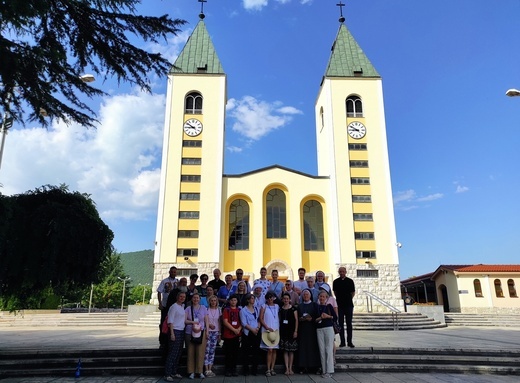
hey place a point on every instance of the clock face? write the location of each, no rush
(192, 127)
(356, 130)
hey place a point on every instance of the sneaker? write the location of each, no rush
(201, 376)
(169, 378)
(209, 374)
(326, 376)
(177, 376)
(192, 376)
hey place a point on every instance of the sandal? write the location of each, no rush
(273, 373)
(268, 373)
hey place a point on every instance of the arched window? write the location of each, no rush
(512, 289)
(239, 225)
(193, 103)
(354, 106)
(498, 289)
(313, 238)
(477, 287)
(276, 214)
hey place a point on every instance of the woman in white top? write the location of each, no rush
(214, 314)
(176, 318)
(270, 322)
(263, 281)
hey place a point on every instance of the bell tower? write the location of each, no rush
(352, 151)
(193, 156)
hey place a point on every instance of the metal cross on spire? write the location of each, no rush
(201, 15)
(341, 5)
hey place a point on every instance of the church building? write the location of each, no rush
(277, 217)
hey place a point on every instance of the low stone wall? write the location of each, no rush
(135, 312)
(490, 310)
(431, 311)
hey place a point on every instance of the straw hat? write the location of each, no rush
(271, 339)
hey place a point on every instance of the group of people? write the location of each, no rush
(299, 318)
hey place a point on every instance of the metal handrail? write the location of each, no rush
(394, 310)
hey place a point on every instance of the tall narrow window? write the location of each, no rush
(477, 287)
(498, 289)
(276, 214)
(194, 103)
(239, 225)
(313, 238)
(512, 289)
(354, 107)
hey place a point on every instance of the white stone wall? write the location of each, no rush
(386, 287)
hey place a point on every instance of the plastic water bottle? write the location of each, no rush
(78, 369)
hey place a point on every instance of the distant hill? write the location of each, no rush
(138, 265)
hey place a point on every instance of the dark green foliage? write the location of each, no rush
(139, 266)
(108, 292)
(51, 239)
(45, 46)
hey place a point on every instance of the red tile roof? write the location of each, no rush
(490, 269)
(477, 269)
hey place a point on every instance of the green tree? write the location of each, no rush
(46, 45)
(50, 238)
(137, 293)
(108, 291)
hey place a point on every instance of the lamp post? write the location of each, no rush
(124, 286)
(144, 289)
(90, 301)
(7, 120)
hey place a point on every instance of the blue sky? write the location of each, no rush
(453, 135)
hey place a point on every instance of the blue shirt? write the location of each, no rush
(249, 318)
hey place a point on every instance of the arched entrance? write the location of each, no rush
(284, 269)
(445, 300)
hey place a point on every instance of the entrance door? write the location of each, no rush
(445, 301)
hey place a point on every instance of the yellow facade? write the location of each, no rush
(257, 219)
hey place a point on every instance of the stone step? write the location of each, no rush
(76, 319)
(491, 320)
(151, 362)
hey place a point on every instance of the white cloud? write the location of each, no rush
(255, 118)
(117, 163)
(461, 189)
(404, 196)
(255, 5)
(430, 197)
(171, 48)
(234, 149)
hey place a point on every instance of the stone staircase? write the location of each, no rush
(149, 320)
(361, 321)
(490, 320)
(151, 362)
(59, 319)
(383, 321)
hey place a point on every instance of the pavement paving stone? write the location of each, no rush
(21, 339)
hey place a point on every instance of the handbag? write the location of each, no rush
(164, 326)
(196, 340)
(335, 324)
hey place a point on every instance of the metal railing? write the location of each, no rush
(393, 310)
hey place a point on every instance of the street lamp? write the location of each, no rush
(7, 121)
(124, 285)
(513, 92)
(144, 289)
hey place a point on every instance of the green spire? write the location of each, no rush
(347, 58)
(198, 55)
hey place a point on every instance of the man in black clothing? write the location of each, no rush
(344, 290)
(216, 283)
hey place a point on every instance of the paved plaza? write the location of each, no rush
(21, 339)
